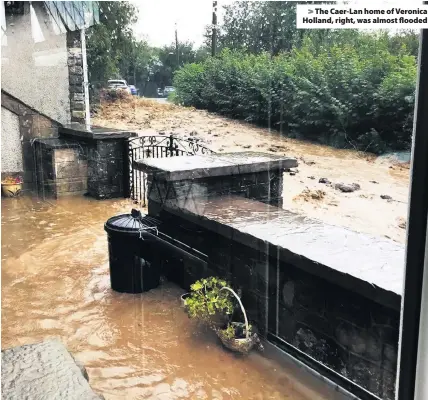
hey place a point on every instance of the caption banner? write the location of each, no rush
(367, 17)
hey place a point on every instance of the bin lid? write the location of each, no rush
(130, 223)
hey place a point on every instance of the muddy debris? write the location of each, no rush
(277, 147)
(307, 162)
(402, 223)
(324, 180)
(308, 195)
(293, 171)
(247, 146)
(347, 188)
(386, 197)
(334, 165)
(311, 177)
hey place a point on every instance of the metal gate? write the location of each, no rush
(156, 147)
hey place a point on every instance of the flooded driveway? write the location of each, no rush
(55, 283)
(363, 210)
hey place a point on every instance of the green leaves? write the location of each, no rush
(207, 301)
(356, 95)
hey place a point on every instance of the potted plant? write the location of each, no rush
(11, 187)
(208, 303)
(211, 301)
(238, 336)
(183, 298)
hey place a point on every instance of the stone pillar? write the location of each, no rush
(75, 74)
(107, 158)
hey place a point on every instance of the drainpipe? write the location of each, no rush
(85, 78)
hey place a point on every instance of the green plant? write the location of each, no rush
(229, 332)
(207, 302)
(235, 330)
(172, 98)
(346, 95)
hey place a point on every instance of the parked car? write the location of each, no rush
(168, 90)
(118, 84)
(134, 90)
(160, 92)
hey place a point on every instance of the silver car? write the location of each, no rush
(119, 84)
(168, 90)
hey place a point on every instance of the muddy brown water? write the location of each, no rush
(55, 283)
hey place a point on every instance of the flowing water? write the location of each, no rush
(55, 283)
(362, 211)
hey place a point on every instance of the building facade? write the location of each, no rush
(43, 83)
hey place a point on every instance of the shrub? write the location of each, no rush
(348, 96)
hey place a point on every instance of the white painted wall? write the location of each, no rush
(11, 150)
(38, 77)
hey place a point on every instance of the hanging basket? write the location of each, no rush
(240, 345)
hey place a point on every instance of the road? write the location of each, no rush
(162, 100)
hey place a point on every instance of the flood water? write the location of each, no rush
(55, 283)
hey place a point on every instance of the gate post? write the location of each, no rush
(127, 169)
(171, 145)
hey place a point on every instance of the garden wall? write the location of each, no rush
(334, 318)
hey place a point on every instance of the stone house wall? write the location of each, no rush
(42, 86)
(17, 138)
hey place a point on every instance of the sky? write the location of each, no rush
(157, 18)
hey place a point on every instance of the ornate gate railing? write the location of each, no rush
(156, 147)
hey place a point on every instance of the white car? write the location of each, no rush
(119, 84)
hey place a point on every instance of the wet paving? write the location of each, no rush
(55, 283)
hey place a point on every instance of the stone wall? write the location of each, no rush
(106, 169)
(42, 85)
(44, 370)
(349, 333)
(263, 186)
(75, 71)
(71, 171)
(32, 124)
(61, 168)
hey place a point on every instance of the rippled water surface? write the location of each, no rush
(55, 283)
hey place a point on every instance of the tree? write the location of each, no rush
(168, 60)
(110, 44)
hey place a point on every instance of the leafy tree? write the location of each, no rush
(169, 63)
(110, 44)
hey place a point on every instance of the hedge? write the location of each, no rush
(343, 96)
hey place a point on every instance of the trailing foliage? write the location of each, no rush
(208, 302)
(344, 95)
